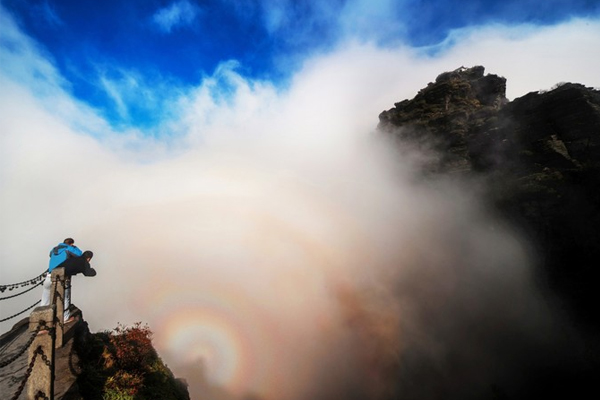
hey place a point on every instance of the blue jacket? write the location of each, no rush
(60, 253)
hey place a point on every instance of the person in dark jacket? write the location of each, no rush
(79, 265)
(74, 266)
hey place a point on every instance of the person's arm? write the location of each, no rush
(88, 270)
(73, 251)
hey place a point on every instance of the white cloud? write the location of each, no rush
(178, 14)
(110, 87)
(531, 58)
(23, 59)
(265, 238)
(371, 19)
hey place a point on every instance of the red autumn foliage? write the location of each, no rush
(122, 364)
(132, 346)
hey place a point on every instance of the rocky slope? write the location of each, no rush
(540, 157)
(113, 365)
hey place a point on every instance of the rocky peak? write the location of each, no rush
(488, 90)
(446, 112)
(540, 155)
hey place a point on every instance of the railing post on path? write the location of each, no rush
(41, 379)
(57, 294)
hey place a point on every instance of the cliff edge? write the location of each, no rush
(539, 156)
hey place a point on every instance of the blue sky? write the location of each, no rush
(106, 49)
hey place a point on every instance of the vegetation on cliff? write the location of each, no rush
(123, 365)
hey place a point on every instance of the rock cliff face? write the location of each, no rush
(539, 154)
(447, 113)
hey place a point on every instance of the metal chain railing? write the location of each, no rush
(33, 281)
(60, 297)
(23, 349)
(39, 394)
(63, 283)
(27, 375)
(60, 321)
(23, 292)
(21, 312)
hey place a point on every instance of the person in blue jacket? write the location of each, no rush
(74, 266)
(58, 255)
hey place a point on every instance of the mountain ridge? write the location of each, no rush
(539, 155)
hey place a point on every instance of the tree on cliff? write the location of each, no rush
(123, 365)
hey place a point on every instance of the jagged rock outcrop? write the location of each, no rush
(446, 114)
(540, 155)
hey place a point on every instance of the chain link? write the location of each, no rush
(23, 292)
(56, 294)
(41, 395)
(45, 358)
(22, 350)
(27, 374)
(24, 283)
(21, 312)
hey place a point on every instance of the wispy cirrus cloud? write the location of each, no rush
(178, 14)
(137, 98)
(48, 12)
(314, 24)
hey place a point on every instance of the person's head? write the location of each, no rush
(69, 241)
(88, 255)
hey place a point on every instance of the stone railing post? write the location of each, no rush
(41, 379)
(57, 294)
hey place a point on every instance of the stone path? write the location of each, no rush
(13, 374)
